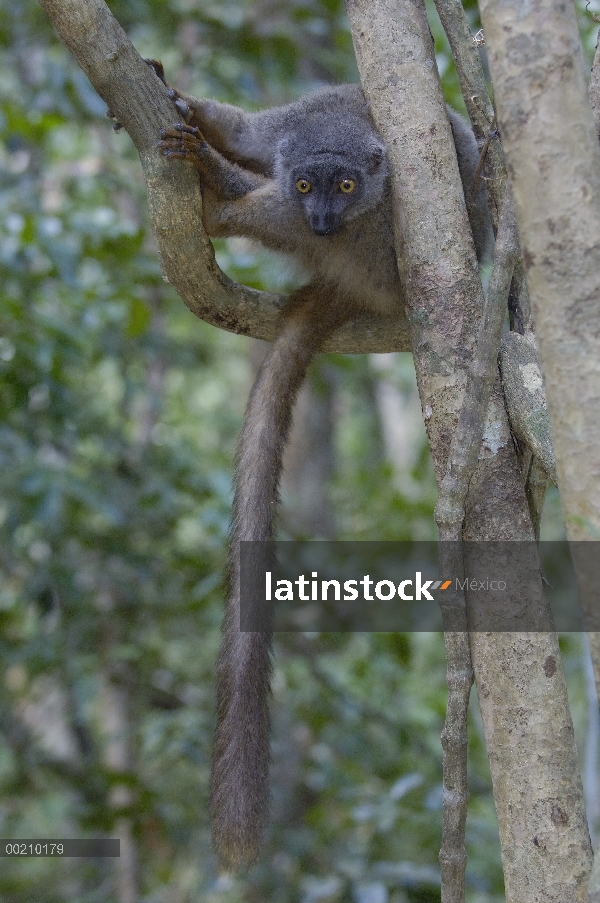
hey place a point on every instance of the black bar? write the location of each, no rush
(97, 847)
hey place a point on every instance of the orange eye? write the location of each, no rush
(303, 186)
(346, 185)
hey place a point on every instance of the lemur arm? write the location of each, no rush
(236, 201)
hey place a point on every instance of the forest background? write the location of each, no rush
(119, 412)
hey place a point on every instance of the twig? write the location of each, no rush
(482, 158)
(594, 16)
(474, 91)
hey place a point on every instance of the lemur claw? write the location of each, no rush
(182, 107)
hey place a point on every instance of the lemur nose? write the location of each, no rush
(322, 224)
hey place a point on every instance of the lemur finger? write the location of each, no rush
(182, 132)
(189, 130)
(175, 154)
(182, 141)
(169, 148)
(158, 68)
(181, 146)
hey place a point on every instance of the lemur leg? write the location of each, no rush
(228, 180)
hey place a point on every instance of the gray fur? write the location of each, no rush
(250, 164)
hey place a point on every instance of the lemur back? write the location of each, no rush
(310, 179)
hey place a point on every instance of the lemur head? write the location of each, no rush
(334, 167)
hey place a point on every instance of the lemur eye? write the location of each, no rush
(303, 186)
(347, 185)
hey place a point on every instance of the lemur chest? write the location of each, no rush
(365, 271)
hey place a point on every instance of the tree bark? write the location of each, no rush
(544, 839)
(594, 86)
(553, 159)
(549, 132)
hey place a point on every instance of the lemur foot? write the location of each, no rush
(183, 142)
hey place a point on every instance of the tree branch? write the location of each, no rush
(139, 101)
(466, 440)
(449, 514)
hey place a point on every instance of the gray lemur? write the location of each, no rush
(311, 179)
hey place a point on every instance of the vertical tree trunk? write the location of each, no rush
(553, 158)
(537, 787)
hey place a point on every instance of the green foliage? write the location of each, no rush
(119, 415)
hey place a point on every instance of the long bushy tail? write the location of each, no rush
(240, 768)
